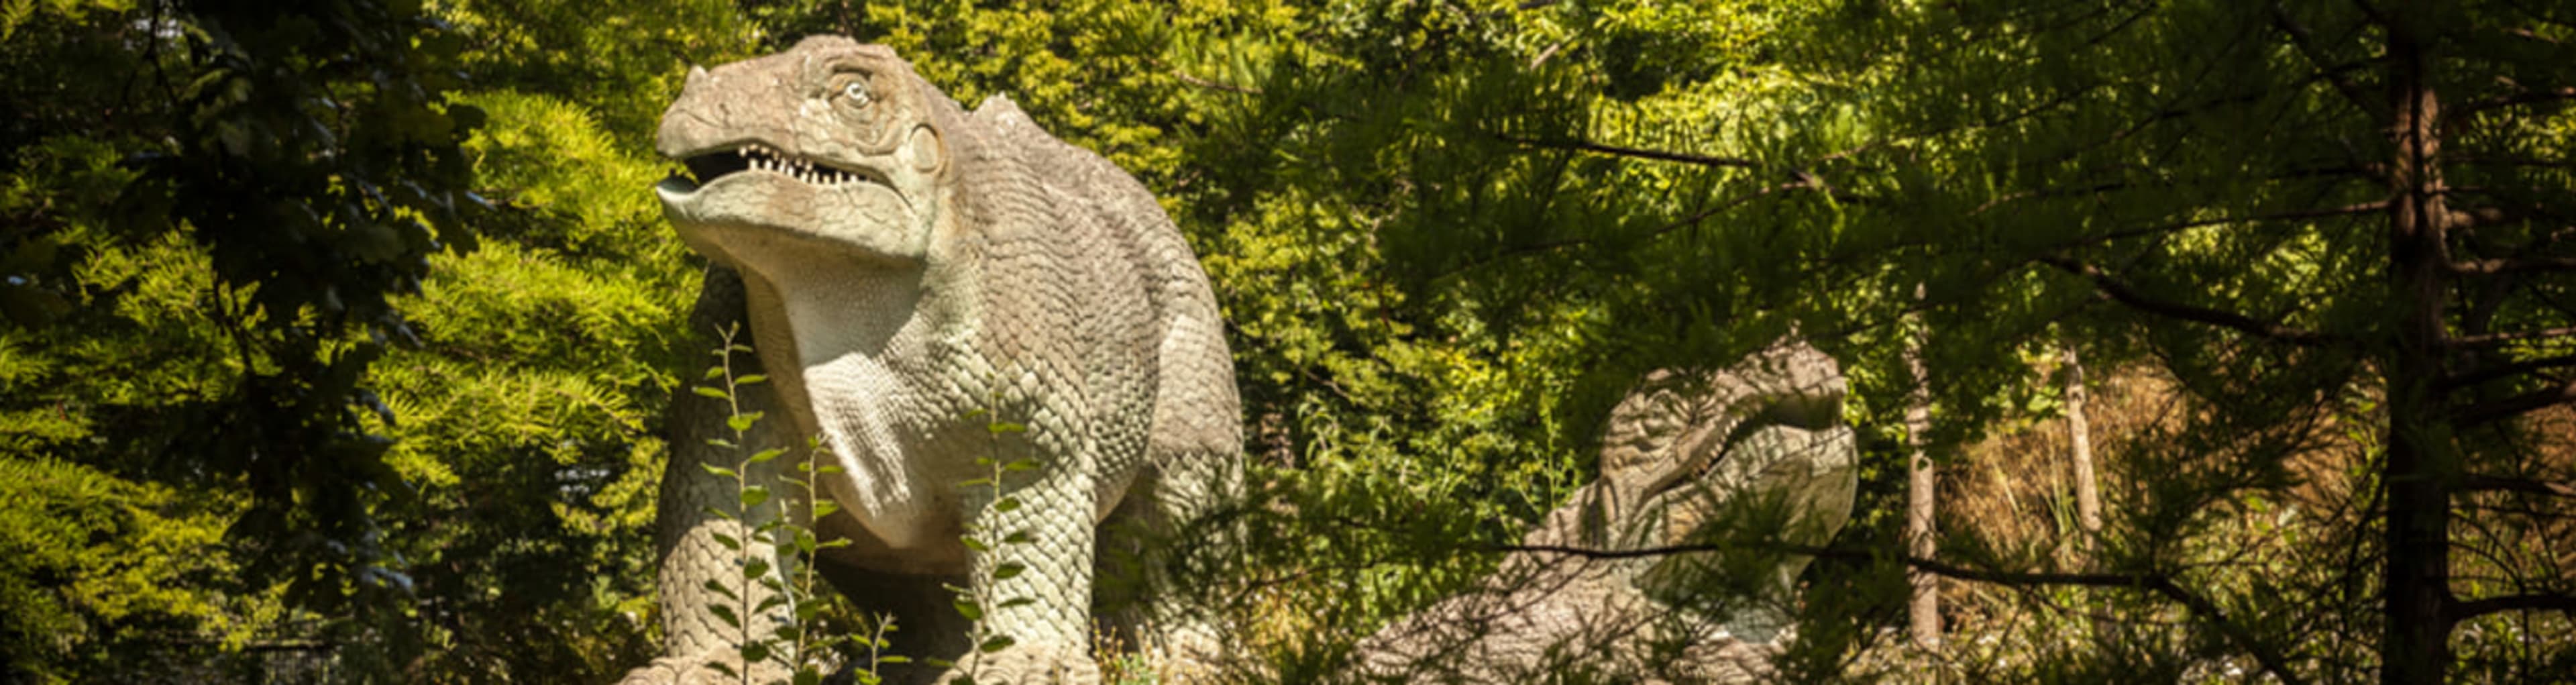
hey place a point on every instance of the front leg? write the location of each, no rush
(688, 533)
(1031, 578)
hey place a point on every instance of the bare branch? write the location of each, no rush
(2503, 408)
(2561, 603)
(2481, 376)
(2528, 97)
(2346, 210)
(2104, 282)
(2494, 339)
(1639, 153)
(2307, 45)
(2476, 482)
(1677, 224)
(2507, 266)
(2361, 208)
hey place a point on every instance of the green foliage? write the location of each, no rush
(774, 554)
(64, 614)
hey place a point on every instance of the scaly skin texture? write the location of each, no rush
(906, 263)
(1759, 444)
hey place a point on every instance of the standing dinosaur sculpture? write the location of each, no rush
(906, 266)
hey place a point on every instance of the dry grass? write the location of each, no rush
(2014, 490)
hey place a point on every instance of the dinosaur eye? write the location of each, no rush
(857, 91)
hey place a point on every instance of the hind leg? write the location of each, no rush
(1169, 530)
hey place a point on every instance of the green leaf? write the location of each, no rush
(1016, 537)
(721, 667)
(725, 612)
(721, 442)
(738, 347)
(743, 421)
(975, 482)
(718, 587)
(936, 662)
(768, 454)
(755, 568)
(893, 658)
(1000, 427)
(969, 609)
(715, 372)
(720, 471)
(1008, 570)
(824, 507)
(755, 652)
(772, 602)
(974, 544)
(1006, 504)
(1021, 464)
(1018, 602)
(754, 496)
(753, 379)
(730, 542)
(996, 643)
(809, 677)
(712, 391)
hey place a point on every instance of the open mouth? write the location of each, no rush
(750, 157)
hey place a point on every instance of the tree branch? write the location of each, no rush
(2478, 482)
(2561, 603)
(2307, 45)
(1639, 153)
(2494, 339)
(1703, 215)
(2528, 97)
(2102, 281)
(2503, 408)
(2516, 265)
(2482, 376)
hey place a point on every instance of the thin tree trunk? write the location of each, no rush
(1923, 612)
(2079, 436)
(2421, 467)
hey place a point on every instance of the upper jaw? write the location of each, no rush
(711, 163)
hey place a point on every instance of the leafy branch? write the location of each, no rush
(794, 641)
(977, 600)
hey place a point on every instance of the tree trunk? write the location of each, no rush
(2422, 467)
(1923, 612)
(2079, 437)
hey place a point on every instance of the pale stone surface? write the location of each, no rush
(1759, 444)
(905, 263)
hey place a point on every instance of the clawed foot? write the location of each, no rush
(1027, 665)
(676, 671)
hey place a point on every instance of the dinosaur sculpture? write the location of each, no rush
(1759, 445)
(907, 266)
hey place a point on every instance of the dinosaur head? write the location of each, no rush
(829, 145)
